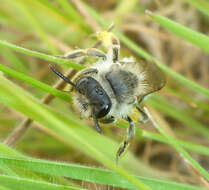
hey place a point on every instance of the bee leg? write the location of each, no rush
(89, 71)
(115, 48)
(107, 120)
(96, 123)
(145, 117)
(130, 134)
(91, 52)
(115, 56)
(110, 42)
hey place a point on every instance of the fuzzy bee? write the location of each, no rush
(110, 89)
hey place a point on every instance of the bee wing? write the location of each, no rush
(151, 77)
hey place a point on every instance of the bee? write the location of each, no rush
(112, 87)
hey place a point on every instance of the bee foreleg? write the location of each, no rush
(96, 123)
(89, 71)
(145, 117)
(91, 52)
(129, 136)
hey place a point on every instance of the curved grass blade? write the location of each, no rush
(186, 156)
(35, 83)
(7, 151)
(41, 55)
(24, 9)
(204, 150)
(90, 174)
(202, 5)
(162, 104)
(4, 188)
(72, 130)
(187, 34)
(17, 183)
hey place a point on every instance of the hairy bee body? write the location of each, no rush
(111, 88)
(126, 82)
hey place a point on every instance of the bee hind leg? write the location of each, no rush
(90, 52)
(129, 136)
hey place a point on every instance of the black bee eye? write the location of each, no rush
(103, 111)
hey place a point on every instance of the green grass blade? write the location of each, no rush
(35, 25)
(202, 5)
(4, 188)
(6, 170)
(41, 55)
(188, 145)
(183, 153)
(196, 38)
(72, 130)
(35, 83)
(17, 183)
(4, 150)
(188, 99)
(141, 52)
(162, 104)
(90, 174)
(204, 150)
(73, 14)
(125, 7)
(7, 151)
(57, 12)
(14, 60)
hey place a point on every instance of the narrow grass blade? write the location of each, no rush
(204, 150)
(72, 130)
(125, 6)
(17, 183)
(57, 12)
(160, 103)
(202, 5)
(186, 156)
(90, 174)
(41, 55)
(196, 38)
(6, 170)
(4, 188)
(14, 60)
(7, 151)
(35, 25)
(73, 14)
(35, 83)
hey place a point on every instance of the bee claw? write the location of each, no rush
(121, 150)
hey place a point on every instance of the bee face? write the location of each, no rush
(96, 96)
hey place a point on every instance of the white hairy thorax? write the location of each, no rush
(122, 109)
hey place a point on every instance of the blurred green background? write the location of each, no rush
(181, 109)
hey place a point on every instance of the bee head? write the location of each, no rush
(93, 91)
(96, 95)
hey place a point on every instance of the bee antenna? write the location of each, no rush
(62, 76)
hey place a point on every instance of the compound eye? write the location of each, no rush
(104, 111)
